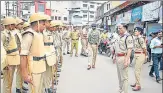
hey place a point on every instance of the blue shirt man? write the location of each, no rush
(156, 46)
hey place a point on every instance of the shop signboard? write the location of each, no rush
(136, 14)
(127, 17)
(151, 11)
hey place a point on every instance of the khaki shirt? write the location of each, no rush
(66, 35)
(139, 44)
(57, 39)
(26, 43)
(120, 46)
(6, 37)
(84, 34)
(74, 35)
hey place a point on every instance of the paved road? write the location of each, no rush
(75, 78)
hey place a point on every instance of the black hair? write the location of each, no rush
(125, 26)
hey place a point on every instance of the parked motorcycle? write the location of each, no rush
(104, 47)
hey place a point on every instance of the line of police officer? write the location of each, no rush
(35, 52)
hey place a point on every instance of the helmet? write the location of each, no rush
(53, 23)
(48, 17)
(18, 20)
(37, 17)
(26, 24)
(93, 25)
(9, 21)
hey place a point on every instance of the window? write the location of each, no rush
(91, 16)
(65, 18)
(108, 6)
(41, 8)
(84, 11)
(55, 17)
(92, 12)
(92, 6)
(84, 5)
(52, 17)
(59, 18)
(84, 16)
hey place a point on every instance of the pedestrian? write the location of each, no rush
(11, 43)
(156, 46)
(140, 54)
(84, 41)
(50, 56)
(74, 35)
(66, 41)
(153, 35)
(93, 42)
(123, 48)
(33, 53)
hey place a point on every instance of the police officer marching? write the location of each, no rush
(93, 40)
(33, 53)
(140, 54)
(66, 40)
(84, 41)
(123, 48)
(74, 35)
(11, 43)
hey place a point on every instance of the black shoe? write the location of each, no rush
(18, 90)
(58, 75)
(151, 75)
(68, 52)
(64, 53)
(158, 80)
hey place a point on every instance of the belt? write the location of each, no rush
(11, 51)
(38, 58)
(121, 54)
(139, 52)
(48, 44)
(75, 39)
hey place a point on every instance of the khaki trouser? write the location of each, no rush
(74, 44)
(38, 83)
(139, 60)
(122, 74)
(8, 79)
(84, 46)
(47, 77)
(66, 43)
(92, 54)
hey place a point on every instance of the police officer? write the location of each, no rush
(3, 59)
(93, 40)
(84, 41)
(19, 25)
(33, 53)
(26, 26)
(123, 50)
(66, 40)
(74, 35)
(11, 44)
(140, 54)
(50, 55)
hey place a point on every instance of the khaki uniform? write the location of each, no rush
(3, 57)
(12, 44)
(120, 52)
(50, 59)
(74, 41)
(139, 57)
(93, 46)
(66, 41)
(84, 41)
(33, 48)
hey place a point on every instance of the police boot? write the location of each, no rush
(1, 75)
(64, 53)
(58, 75)
(56, 82)
(58, 70)
(25, 87)
(18, 90)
